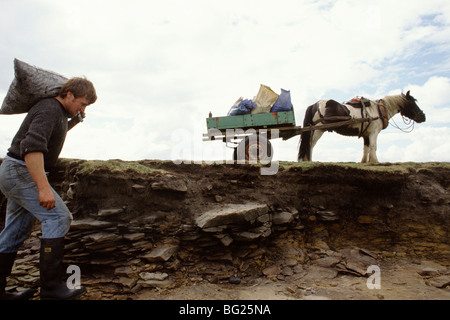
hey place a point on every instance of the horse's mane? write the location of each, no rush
(394, 103)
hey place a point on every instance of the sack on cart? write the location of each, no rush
(242, 106)
(264, 100)
(283, 102)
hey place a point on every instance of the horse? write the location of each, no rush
(379, 112)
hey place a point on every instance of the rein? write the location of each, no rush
(408, 122)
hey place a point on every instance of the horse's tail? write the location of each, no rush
(305, 138)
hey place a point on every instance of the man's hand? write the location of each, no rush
(47, 199)
(35, 165)
(75, 120)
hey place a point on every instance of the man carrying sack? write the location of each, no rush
(33, 152)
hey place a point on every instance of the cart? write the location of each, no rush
(250, 134)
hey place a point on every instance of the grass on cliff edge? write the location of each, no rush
(404, 167)
(399, 167)
(117, 165)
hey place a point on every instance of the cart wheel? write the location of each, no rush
(255, 149)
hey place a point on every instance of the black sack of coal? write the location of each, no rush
(30, 85)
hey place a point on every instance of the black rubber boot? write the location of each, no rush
(52, 287)
(6, 264)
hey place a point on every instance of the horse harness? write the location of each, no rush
(363, 103)
(383, 113)
(359, 103)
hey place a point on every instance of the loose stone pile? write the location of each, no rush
(229, 244)
(143, 254)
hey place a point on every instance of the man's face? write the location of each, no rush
(75, 105)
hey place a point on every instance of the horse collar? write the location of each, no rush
(383, 113)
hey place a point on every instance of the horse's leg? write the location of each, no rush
(316, 134)
(373, 147)
(304, 152)
(365, 157)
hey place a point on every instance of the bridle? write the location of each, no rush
(407, 121)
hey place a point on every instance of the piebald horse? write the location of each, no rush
(380, 111)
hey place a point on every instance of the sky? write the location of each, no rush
(160, 67)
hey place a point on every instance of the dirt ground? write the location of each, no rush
(400, 280)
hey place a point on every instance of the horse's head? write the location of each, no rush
(411, 109)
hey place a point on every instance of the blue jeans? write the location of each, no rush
(23, 209)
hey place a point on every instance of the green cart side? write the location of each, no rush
(250, 133)
(259, 120)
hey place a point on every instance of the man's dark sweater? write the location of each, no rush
(44, 129)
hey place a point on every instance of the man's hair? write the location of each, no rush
(80, 87)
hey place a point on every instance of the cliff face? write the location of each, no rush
(153, 224)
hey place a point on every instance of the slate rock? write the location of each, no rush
(163, 253)
(155, 283)
(100, 237)
(231, 214)
(109, 212)
(153, 276)
(283, 217)
(89, 224)
(234, 280)
(271, 271)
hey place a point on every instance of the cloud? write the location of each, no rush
(425, 144)
(434, 93)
